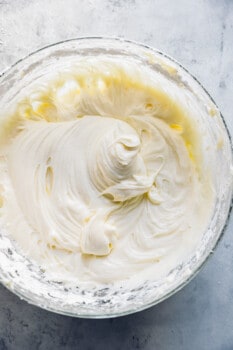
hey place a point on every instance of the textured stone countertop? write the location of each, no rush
(199, 34)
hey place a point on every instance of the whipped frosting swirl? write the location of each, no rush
(101, 179)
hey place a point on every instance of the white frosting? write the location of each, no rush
(103, 175)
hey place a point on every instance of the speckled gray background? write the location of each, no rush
(199, 34)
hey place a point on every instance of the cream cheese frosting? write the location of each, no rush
(101, 172)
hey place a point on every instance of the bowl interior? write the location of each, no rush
(27, 279)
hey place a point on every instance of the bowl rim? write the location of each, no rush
(203, 261)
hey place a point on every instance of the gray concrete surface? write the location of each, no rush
(199, 34)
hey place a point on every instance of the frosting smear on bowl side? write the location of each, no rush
(101, 172)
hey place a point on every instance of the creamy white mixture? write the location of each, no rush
(101, 172)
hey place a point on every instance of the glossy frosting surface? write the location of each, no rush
(101, 177)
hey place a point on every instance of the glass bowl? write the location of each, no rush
(28, 280)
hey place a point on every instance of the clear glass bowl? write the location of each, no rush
(28, 280)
